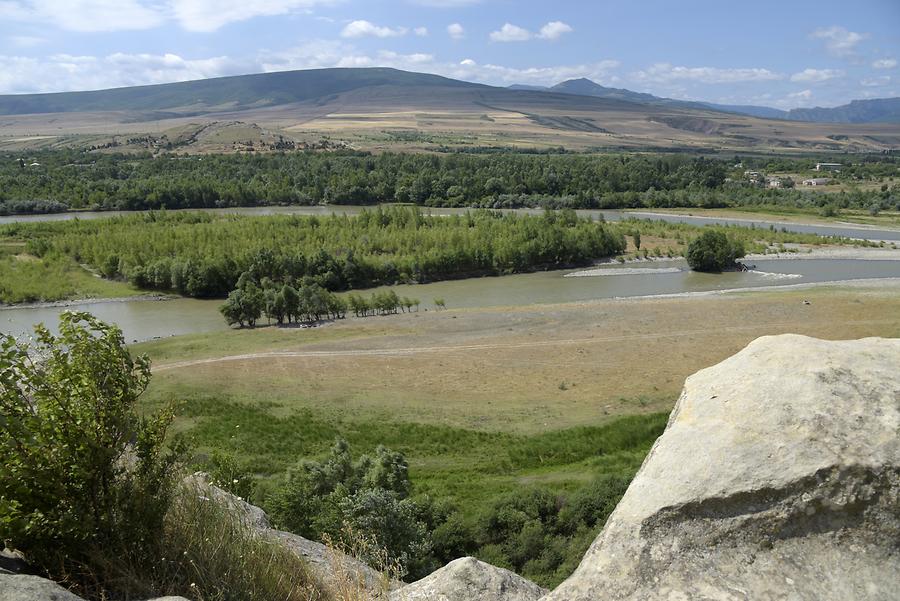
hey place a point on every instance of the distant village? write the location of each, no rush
(779, 181)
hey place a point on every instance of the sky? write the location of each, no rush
(785, 53)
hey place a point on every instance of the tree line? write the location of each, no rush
(303, 301)
(70, 179)
(203, 255)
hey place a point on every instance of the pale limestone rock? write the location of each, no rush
(468, 579)
(778, 477)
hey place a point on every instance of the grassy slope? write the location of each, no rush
(532, 408)
(462, 414)
(28, 279)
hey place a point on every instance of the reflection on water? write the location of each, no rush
(143, 320)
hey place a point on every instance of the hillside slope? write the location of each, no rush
(239, 91)
(377, 109)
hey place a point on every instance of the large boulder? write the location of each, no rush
(468, 579)
(778, 477)
(23, 587)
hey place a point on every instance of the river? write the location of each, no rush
(148, 319)
(861, 232)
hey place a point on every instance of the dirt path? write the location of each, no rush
(404, 351)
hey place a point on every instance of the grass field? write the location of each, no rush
(24, 278)
(438, 383)
(484, 403)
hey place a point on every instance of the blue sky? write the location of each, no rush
(785, 54)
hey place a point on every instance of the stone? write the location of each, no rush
(25, 587)
(468, 579)
(251, 514)
(778, 477)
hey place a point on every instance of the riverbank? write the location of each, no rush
(65, 304)
(780, 216)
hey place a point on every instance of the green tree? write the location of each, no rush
(713, 251)
(84, 473)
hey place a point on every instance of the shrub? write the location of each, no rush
(83, 474)
(369, 496)
(713, 251)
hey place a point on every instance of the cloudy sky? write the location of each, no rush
(782, 53)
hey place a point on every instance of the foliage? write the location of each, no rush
(84, 474)
(503, 179)
(204, 255)
(713, 251)
(26, 279)
(370, 496)
(455, 475)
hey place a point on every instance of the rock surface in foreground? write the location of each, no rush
(778, 477)
(468, 579)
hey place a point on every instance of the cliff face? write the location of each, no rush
(778, 477)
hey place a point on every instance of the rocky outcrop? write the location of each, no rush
(468, 579)
(22, 587)
(778, 477)
(250, 514)
(333, 567)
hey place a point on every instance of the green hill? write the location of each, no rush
(235, 92)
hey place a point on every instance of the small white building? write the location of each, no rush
(828, 166)
(817, 181)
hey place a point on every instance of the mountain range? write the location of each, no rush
(382, 108)
(878, 110)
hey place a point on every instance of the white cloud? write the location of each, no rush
(210, 15)
(839, 41)
(362, 28)
(497, 74)
(803, 95)
(874, 82)
(120, 15)
(421, 31)
(64, 72)
(816, 75)
(513, 33)
(666, 73)
(553, 30)
(456, 31)
(884, 63)
(83, 15)
(510, 33)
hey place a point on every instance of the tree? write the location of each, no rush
(440, 303)
(713, 251)
(84, 473)
(370, 495)
(637, 239)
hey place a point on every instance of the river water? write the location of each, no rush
(861, 232)
(147, 319)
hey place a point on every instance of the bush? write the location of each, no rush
(84, 476)
(713, 251)
(369, 496)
